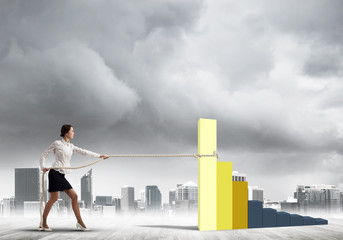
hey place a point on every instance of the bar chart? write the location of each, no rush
(223, 201)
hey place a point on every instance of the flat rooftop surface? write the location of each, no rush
(153, 228)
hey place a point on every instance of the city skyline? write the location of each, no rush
(308, 199)
(26, 175)
(166, 191)
(138, 78)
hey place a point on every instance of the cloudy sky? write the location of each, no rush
(135, 77)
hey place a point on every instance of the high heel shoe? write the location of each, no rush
(78, 226)
(41, 228)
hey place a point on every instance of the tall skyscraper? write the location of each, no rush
(153, 199)
(128, 198)
(87, 189)
(27, 186)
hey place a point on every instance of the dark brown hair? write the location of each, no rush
(65, 129)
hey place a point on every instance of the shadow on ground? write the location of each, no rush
(58, 230)
(171, 227)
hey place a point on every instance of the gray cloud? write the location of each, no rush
(318, 24)
(135, 77)
(324, 63)
(69, 81)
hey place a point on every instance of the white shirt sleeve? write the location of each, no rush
(45, 154)
(85, 152)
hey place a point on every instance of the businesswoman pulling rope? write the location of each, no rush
(63, 150)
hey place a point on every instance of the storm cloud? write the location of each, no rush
(134, 77)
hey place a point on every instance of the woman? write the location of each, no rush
(63, 151)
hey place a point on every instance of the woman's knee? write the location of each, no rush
(74, 197)
(72, 194)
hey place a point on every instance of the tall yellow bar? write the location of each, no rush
(240, 205)
(224, 196)
(207, 175)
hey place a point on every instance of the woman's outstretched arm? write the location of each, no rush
(88, 153)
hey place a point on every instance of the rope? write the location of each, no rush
(195, 155)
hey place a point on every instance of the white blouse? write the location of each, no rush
(63, 151)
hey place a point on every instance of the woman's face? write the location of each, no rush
(70, 134)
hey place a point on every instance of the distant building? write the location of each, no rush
(97, 210)
(255, 193)
(187, 191)
(140, 205)
(172, 196)
(142, 195)
(186, 198)
(127, 199)
(317, 198)
(8, 207)
(104, 200)
(27, 187)
(87, 189)
(116, 201)
(332, 200)
(104, 206)
(153, 199)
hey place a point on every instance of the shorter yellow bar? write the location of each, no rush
(224, 195)
(240, 205)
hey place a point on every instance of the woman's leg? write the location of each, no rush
(73, 196)
(52, 200)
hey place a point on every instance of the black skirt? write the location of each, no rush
(57, 181)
